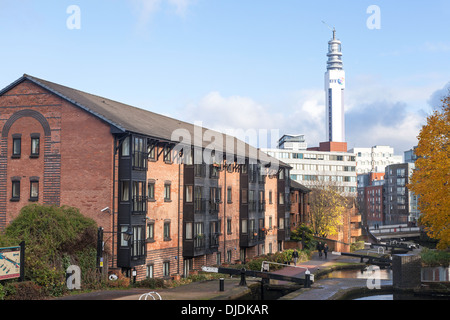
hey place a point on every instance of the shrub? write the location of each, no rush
(2, 292)
(151, 283)
(24, 291)
(435, 258)
(55, 237)
(358, 245)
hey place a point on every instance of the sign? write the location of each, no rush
(210, 269)
(10, 262)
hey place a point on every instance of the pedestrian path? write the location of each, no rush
(328, 288)
(210, 290)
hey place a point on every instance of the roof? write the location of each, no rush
(127, 118)
(297, 186)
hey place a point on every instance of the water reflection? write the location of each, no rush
(382, 274)
(378, 297)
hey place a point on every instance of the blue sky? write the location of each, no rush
(242, 64)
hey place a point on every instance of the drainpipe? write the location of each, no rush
(178, 222)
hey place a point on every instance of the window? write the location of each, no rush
(213, 233)
(229, 226)
(17, 146)
(151, 191)
(138, 242)
(244, 193)
(34, 145)
(167, 154)
(151, 230)
(199, 204)
(126, 147)
(139, 198)
(189, 193)
(139, 153)
(281, 223)
(125, 191)
(167, 230)
(244, 228)
(166, 191)
(151, 150)
(199, 235)
(188, 231)
(149, 271)
(270, 196)
(123, 241)
(166, 268)
(280, 198)
(229, 194)
(34, 190)
(15, 196)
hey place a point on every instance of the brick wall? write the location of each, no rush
(160, 211)
(74, 165)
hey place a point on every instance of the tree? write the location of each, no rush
(327, 206)
(431, 178)
(304, 234)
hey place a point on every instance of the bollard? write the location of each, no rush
(307, 279)
(243, 281)
(222, 284)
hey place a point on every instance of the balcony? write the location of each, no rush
(262, 206)
(213, 206)
(139, 205)
(252, 205)
(200, 205)
(140, 160)
(199, 242)
(214, 239)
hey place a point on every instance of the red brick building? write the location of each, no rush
(299, 203)
(121, 166)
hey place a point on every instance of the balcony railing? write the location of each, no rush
(214, 239)
(200, 205)
(252, 205)
(139, 204)
(213, 206)
(140, 160)
(262, 206)
(137, 249)
(199, 241)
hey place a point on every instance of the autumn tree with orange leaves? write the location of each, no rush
(431, 178)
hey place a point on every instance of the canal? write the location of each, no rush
(382, 274)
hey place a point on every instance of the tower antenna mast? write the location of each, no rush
(332, 29)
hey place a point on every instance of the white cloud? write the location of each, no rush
(222, 113)
(374, 115)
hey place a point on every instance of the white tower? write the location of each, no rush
(334, 92)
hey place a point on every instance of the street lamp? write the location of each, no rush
(100, 243)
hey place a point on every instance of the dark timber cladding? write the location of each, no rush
(126, 160)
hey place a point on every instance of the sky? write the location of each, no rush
(242, 65)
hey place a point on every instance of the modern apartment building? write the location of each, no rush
(374, 159)
(166, 206)
(317, 166)
(401, 205)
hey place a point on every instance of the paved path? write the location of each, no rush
(327, 288)
(209, 290)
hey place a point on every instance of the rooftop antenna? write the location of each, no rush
(332, 29)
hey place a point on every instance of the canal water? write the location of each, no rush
(383, 274)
